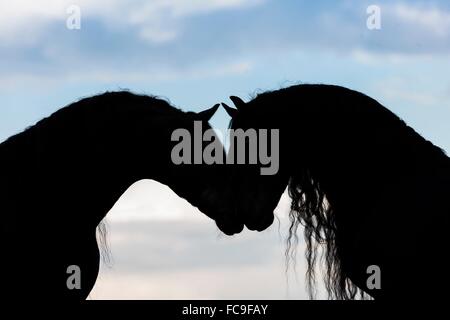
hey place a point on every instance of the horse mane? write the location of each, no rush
(116, 101)
(310, 206)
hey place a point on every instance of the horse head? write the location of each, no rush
(256, 193)
(202, 178)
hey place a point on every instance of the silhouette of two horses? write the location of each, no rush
(367, 188)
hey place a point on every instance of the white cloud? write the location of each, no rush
(183, 7)
(382, 58)
(108, 75)
(158, 20)
(432, 19)
(156, 34)
(399, 91)
(23, 21)
(265, 281)
(180, 8)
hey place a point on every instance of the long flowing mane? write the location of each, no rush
(310, 209)
(310, 206)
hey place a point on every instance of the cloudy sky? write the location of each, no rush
(197, 53)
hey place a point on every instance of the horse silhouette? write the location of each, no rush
(60, 177)
(369, 190)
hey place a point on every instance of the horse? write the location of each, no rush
(60, 177)
(371, 193)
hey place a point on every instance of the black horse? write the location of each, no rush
(369, 190)
(60, 177)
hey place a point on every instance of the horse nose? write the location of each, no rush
(260, 224)
(228, 227)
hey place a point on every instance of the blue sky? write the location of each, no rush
(197, 53)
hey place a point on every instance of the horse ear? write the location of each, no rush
(238, 102)
(231, 111)
(207, 114)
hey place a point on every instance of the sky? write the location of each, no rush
(197, 53)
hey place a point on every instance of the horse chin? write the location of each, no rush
(260, 224)
(229, 228)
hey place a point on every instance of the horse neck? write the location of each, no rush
(108, 164)
(134, 158)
